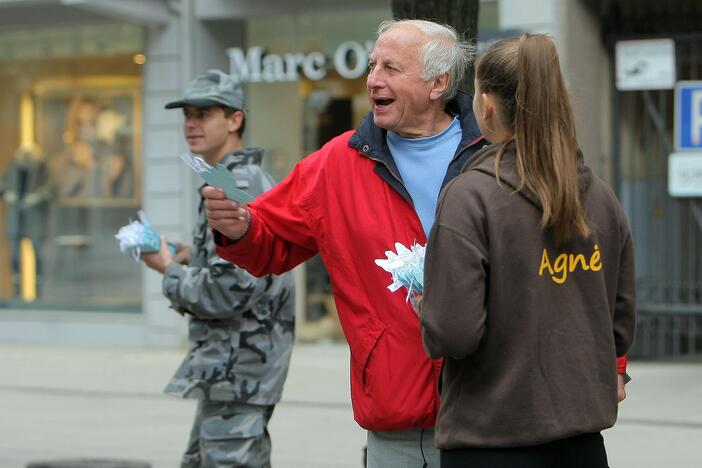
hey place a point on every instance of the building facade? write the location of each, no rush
(84, 83)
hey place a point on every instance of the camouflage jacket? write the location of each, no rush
(241, 327)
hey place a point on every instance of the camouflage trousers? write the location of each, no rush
(229, 434)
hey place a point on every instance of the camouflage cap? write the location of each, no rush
(212, 88)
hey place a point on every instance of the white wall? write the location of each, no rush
(584, 62)
(535, 16)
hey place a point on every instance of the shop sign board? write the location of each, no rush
(350, 60)
(685, 174)
(645, 64)
(688, 116)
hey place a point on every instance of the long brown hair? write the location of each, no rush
(524, 74)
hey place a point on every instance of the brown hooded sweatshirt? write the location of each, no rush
(530, 329)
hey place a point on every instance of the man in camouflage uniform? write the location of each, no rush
(241, 327)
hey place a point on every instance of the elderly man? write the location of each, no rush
(241, 328)
(351, 201)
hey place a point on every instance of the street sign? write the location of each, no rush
(688, 116)
(685, 174)
(645, 64)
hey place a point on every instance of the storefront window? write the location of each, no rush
(295, 109)
(70, 144)
(293, 113)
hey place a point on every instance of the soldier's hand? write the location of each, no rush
(158, 261)
(183, 254)
(224, 215)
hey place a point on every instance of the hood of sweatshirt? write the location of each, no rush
(484, 161)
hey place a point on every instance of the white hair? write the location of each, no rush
(443, 52)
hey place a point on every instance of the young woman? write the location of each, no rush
(529, 280)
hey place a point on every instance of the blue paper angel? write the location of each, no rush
(217, 176)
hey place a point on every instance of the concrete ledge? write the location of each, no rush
(71, 328)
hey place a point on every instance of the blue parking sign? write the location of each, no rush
(688, 116)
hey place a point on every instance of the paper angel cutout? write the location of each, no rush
(406, 267)
(217, 176)
(138, 238)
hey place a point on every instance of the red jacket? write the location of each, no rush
(347, 202)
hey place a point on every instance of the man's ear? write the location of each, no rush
(439, 87)
(235, 121)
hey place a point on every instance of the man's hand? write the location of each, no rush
(158, 260)
(621, 391)
(224, 215)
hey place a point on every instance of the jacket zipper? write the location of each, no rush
(396, 176)
(399, 179)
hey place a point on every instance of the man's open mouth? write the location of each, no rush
(382, 102)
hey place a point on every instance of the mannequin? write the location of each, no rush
(25, 189)
(96, 161)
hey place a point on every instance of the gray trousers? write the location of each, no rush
(402, 449)
(229, 434)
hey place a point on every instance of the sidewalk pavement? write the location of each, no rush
(60, 402)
